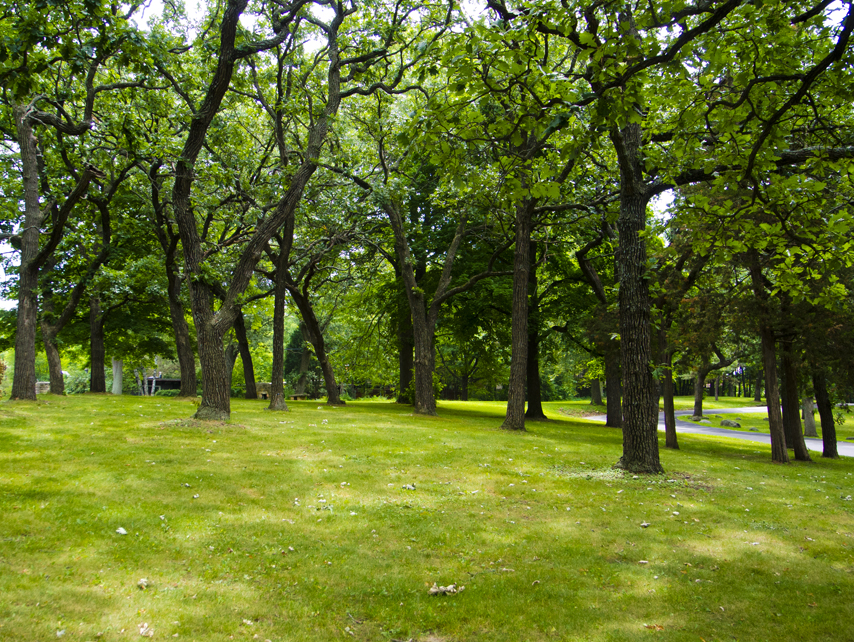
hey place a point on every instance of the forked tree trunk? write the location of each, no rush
(515, 416)
(825, 412)
(245, 356)
(97, 351)
(791, 407)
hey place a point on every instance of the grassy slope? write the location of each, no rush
(545, 536)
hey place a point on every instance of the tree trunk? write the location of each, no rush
(791, 407)
(277, 376)
(216, 380)
(757, 390)
(699, 389)
(717, 387)
(640, 405)
(515, 416)
(670, 439)
(51, 347)
(825, 412)
(535, 397)
(245, 356)
(613, 385)
(779, 454)
(808, 411)
(405, 344)
(24, 380)
(97, 352)
(595, 392)
(118, 364)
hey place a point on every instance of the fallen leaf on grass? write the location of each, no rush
(145, 630)
(654, 627)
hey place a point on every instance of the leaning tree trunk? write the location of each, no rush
(515, 417)
(791, 408)
(640, 401)
(97, 352)
(315, 335)
(183, 344)
(245, 356)
(613, 385)
(825, 412)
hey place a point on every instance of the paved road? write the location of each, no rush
(845, 448)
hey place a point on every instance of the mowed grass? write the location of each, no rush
(297, 526)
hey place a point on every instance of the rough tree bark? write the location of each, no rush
(515, 416)
(640, 405)
(825, 412)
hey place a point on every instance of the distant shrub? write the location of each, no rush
(166, 393)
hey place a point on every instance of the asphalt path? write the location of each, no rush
(844, 448)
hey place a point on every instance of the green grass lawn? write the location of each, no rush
(298, 526)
